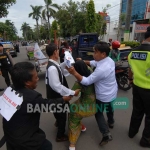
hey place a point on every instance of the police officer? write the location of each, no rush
(5, 65)
(139, 72)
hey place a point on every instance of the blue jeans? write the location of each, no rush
(103, 127)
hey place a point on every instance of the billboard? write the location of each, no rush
(140, 28)
(105, 16)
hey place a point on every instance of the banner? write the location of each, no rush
(141, 28)
(38, 54)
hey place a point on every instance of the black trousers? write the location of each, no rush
(47, 145)
(141, 106)
(100, 117)
(5, 74)
(61, 118)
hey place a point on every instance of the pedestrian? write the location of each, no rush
(106, 87)
(115, 53)
(85, 106)
(139, 72)
(22, 131)
(6, 65)
(56, 87)
(65, 47)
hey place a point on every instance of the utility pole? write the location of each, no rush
(128, 20)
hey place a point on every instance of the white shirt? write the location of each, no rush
(104, 80)
(54, 80)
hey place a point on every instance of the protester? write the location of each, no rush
(139, 61)
(105, 83)
(22, 132)
(83, 107)
(56, 87)
(6, 65)
(65, 47)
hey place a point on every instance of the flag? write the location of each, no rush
(38, 54)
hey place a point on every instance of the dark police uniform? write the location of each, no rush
(5, 67)
(139, 60)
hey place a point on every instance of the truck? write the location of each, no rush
(82, 45)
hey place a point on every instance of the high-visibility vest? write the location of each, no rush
(139, 62)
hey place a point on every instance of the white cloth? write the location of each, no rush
(38, 54)
(104, 80)
(54, 81)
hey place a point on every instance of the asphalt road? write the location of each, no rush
(90, 139)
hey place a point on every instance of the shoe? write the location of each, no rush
(131, 135)
(62, 139)
(72, 148)
(83, 128)
(105, 140)
(144, 142)
(56, 124)
(1, 89)
(111, 125)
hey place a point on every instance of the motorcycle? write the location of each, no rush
(122, 77)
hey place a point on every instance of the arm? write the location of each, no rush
(97, 75)
(47, 105)
(55, 83)
(90, 63)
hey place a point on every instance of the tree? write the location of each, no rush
(25, 27)
(101, 22)
(36, 14)
(49, 11)
(4, 5)
(121, 21)
(91, 17)
(8, 30)
(71, 18)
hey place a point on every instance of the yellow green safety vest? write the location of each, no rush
(139, 62)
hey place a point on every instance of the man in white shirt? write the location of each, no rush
(106, 87)
(57, 87)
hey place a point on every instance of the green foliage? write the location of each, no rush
(49, 11)
(54, 28)
(71, 18)
(4, 5)
(36, 14)
(8, 30)
(26, 29)
(44, 32)
(131, 43)
(91, 17)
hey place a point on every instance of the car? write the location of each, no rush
(25, 43)
(8, 46)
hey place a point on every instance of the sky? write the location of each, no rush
(18, 13)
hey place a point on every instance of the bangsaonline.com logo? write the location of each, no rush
(118, 103)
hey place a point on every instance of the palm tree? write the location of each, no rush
(25, 28)
(49, 11)
(36, 14)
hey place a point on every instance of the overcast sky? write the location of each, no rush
(18, 13)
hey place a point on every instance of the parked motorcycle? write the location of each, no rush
(122, 77)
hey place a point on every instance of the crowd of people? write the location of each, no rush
(95, 87)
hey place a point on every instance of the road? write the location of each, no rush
(90, 139)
